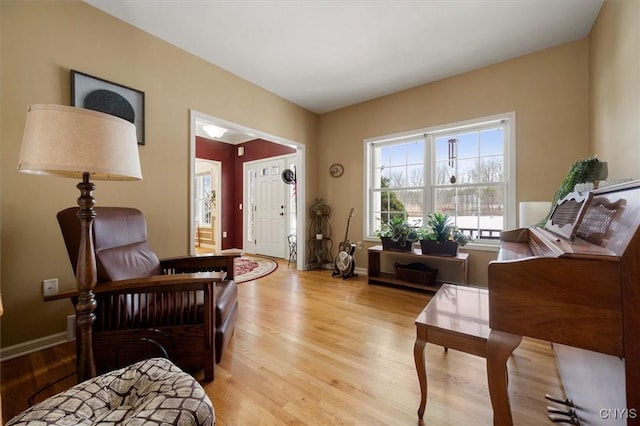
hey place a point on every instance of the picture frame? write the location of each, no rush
(106, 96)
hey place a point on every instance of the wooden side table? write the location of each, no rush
(457, 317)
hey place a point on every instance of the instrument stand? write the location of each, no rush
(344, 263)
(336, 272)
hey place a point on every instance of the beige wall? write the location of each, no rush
(548, 91)
(615, 87)
(41, 42)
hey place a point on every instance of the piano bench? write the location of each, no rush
(457, 317)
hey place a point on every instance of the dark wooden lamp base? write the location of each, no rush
(86, 278)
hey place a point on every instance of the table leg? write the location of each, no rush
(418, 355)
(465, 271)
(500, 346)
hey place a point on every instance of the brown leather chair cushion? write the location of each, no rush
(226, 296)
(120, 242)
(125, 262)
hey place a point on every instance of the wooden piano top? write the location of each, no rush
(534, 241)
(572, 292)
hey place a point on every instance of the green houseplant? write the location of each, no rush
(586, 170)
(397, 234)
(440, 236)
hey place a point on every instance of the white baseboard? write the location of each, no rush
(361, 271)
(329, 266)
(32, 346)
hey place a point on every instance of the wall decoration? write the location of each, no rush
(336, 170)
(111, 98)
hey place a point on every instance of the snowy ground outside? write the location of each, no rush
(469, 222)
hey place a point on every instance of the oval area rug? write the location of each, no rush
(247, 268)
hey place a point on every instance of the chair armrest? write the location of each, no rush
(161, 283)
(153, 284)
(208, 263)
(157, 301)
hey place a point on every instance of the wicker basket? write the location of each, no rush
(418, 273)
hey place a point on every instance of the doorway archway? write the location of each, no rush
(238, 131)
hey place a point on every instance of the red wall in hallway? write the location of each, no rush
(232, 179)
(226, 154)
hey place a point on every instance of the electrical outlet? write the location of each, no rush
(224, 234)
(50, 287)
(359, 245)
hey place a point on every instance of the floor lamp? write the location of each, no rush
(80, 143)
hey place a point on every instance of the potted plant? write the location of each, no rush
(585, 170)
(441, 237)
(397, 234)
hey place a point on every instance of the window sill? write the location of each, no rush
(472, 246)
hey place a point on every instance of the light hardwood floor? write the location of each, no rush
(316, 350)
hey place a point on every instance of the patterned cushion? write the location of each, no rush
(150, 392)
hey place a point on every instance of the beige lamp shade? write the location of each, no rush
(69, 141)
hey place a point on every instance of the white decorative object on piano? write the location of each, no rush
(533, 212)
(584, 187)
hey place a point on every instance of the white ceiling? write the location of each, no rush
(324, 55)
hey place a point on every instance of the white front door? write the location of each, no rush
(270, 209)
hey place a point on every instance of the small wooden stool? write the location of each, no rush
(457, 317)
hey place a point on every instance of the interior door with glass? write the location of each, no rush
(267, 219)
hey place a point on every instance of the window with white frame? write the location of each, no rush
(204, 198)
(466, 170)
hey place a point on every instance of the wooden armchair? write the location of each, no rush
(149, 307)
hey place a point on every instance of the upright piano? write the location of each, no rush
(579, 290)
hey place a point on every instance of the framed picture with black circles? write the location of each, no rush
(105, 96)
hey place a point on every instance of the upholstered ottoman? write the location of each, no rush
(149, 392)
